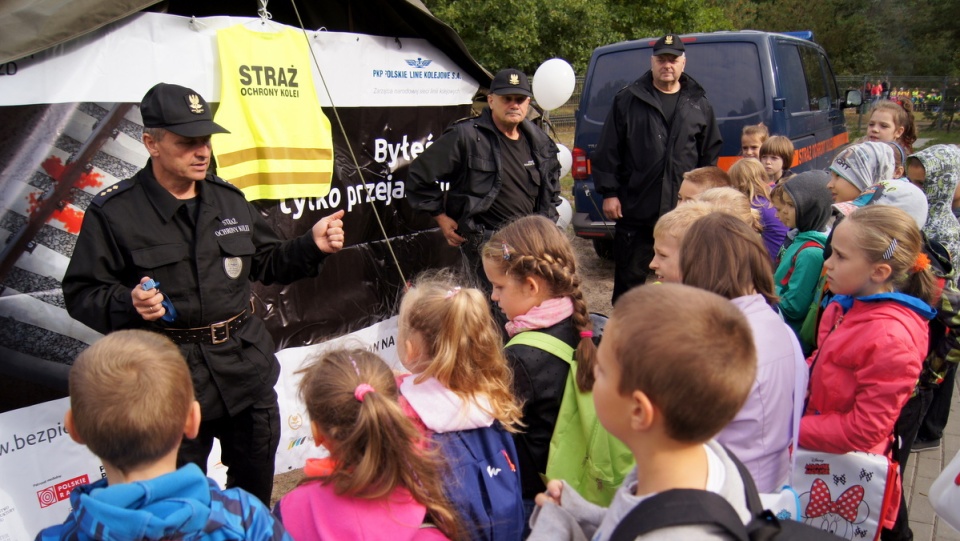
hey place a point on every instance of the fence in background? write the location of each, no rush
(934, 99)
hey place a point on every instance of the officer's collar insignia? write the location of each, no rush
(195, 106)
(514, 79)
(668, 40)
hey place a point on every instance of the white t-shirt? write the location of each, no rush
(625, 500)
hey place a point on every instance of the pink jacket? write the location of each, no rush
(314, 512)
(871, 352)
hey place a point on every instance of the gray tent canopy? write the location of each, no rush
(31, 26)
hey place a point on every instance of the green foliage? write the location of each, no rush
(919, 37)
(865, 36)
(524, 33)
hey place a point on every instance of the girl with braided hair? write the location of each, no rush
(532, 268)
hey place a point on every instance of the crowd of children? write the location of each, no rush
(816, 310)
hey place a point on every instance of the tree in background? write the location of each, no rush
(865, 36)
(920, 37)
(524, 33)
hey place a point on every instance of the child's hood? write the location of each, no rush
(864, 164)
(942, 165)
(916, 305)
(811, 199)
(167, 506)
(442, 410)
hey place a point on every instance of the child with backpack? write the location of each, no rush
(459, 392)
(936, 170)
(723, 255)
(657, 337)
(532, 267)
(803, 205)
(873, 335)
(381, 481)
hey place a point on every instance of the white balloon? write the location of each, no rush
(553, 83)
(566, 213)
(566, 160)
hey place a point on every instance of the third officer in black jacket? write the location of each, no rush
(660, 127)
(499, 166)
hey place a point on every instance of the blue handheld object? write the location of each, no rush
(171, 312)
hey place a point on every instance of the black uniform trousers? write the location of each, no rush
(248, 447)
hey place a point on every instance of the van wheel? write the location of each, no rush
(604, 248)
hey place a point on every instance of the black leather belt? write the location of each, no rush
(215, 333)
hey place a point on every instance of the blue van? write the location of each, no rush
(782, 80)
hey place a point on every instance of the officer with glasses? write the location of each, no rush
(499, 166)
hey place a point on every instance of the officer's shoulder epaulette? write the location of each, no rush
(217, 181)
(466, 119)
(105, 194)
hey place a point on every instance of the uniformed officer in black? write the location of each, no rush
(196, 235)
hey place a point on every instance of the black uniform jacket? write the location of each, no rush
(467, 156)
(640, 161)
(136, 228)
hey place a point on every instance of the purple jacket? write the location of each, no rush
(761, 433)
(774, 232)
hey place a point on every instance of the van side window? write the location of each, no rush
(831, 81)
(713, 65)
(717, 65)
(816, 83)
(794, 88)
(611, 72)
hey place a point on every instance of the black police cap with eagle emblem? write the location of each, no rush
(669, 44)
(178, 109)
(510, 82)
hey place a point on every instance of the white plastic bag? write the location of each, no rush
(945, 493)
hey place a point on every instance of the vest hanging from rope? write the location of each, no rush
(280, 144)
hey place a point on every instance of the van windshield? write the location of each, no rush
(729, 71)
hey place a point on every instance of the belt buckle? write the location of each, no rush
(220, 332)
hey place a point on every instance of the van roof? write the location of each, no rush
(708, 37)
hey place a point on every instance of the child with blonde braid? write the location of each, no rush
(532, 267)
(381, 480)
(873, 335)
(459, 392)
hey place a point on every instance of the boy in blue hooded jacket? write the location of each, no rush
(131, 402)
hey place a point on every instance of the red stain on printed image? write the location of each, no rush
(60, 491)
(68, 216)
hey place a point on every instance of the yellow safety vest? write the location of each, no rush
(280, 145)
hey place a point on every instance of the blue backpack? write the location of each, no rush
(485, 485)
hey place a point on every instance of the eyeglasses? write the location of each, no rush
(514, 99)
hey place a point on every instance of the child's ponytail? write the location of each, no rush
(921, 282)
(351, 395)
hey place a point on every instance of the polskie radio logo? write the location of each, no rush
(60, 491)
